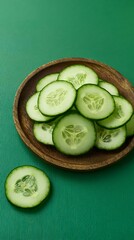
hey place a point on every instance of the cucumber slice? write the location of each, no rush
(56, 98)
(43, 132)
(110, 139)
(74, 134)
(130, 126)
(122, 113)
(94, 102)
(33, 111)
(46, 80)
(27, 186)
(109, 87)
(78, 75)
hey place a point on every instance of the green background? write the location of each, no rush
(93, 205)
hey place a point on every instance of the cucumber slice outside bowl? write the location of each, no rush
(56, 98)
(74, 134)
(94, 102)
(27, 186)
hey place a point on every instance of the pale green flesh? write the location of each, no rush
(27, 186)
(110, 139)
(109, 87)
(122, 113)
(33, 111)
(56, 98)
(130, 126)
(46, 80)
(43, 132)
(94, 102)
(78, 75)
(74, 134)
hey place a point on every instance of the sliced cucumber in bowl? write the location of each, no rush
(56, 98)
(78, 75)
(46, 80)
(74, 134)
(122, 113)
(43, 131)
(130, 126)
(94, 102)
(110, 139)
(75, 93)
(33, 110)
(109, 87)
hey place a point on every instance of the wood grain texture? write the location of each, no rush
(95, 158)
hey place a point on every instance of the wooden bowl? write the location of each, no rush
(95, 158)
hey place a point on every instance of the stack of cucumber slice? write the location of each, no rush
(75, 111)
